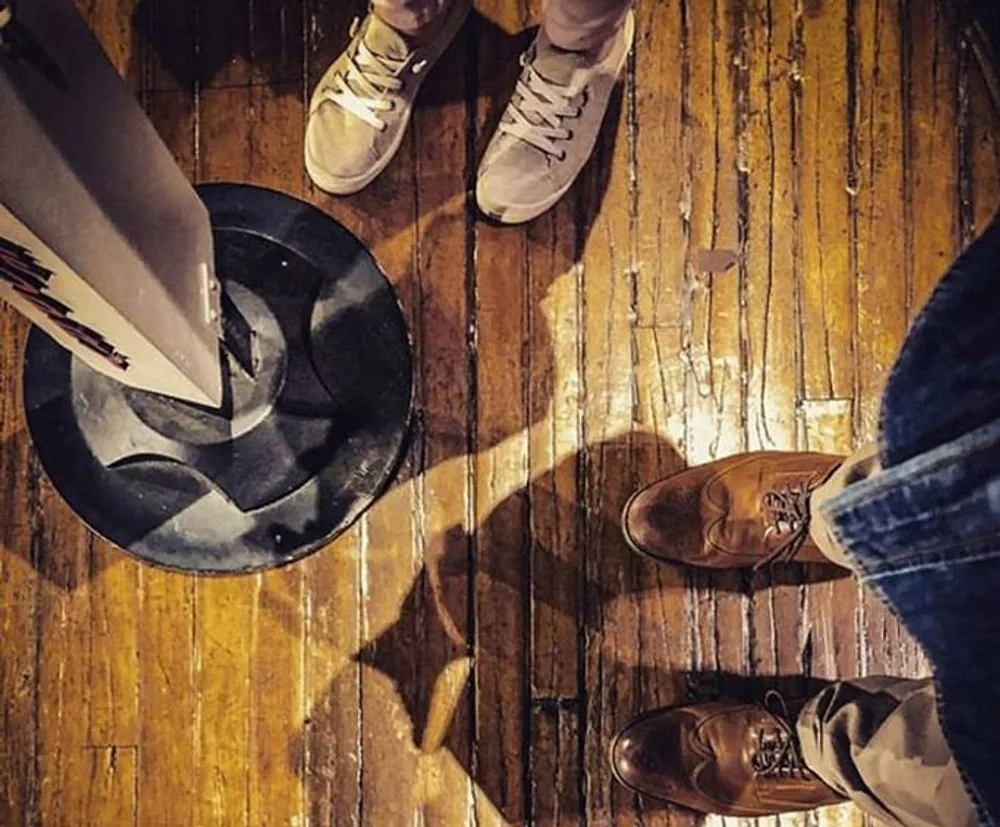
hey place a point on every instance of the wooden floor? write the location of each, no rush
(465, 654)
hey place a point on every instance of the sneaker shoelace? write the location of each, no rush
(776, 752)
(538, 108)
(363, 88)
(788, 516)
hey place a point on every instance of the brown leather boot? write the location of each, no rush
(744, 511)
(725, 758)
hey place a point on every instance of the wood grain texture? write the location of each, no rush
(666, 115)
(777, 188)
(881, 250)
(21, 544)
(824, 182)
(501, 543)
(63, 685)
(715, 334)
(931, 110)
(827, 302)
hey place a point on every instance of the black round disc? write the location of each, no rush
(299, 449)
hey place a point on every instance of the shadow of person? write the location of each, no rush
(544, 552)
(219, 43)
(569, 635)
(223, 42)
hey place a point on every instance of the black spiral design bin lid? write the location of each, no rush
(304, 442)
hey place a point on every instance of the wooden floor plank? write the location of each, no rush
(553, 400)
(824, 137)
(502, 548)
(277, 698)
(880, 243)
(663, 159)
(609, 285)
(557, 788)
(327, 746)
(662, 219)
(556, 574)
(114, 647)
(713, 266)
(880, 209)
(19, 588)
(772, 250)
(932, 154)
(774, 628)
(276, 43)
(556, 577)
(167, 699)
(439, 304)
(222, 655)
(715, 395)
(170, 30)
(64, 554)
(769, 158)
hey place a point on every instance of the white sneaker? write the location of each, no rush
(361, 106)
(549, 128)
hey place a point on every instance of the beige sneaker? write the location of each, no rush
(549, 128)
(361, 106)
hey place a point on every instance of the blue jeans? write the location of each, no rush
(925, 532)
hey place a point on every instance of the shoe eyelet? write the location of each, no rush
(561, 156)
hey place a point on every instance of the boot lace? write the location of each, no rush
(787, 511)
(776, 752)
(363, 88)
(538, 109)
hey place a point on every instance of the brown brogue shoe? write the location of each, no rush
(724, 758)
(744, 511)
